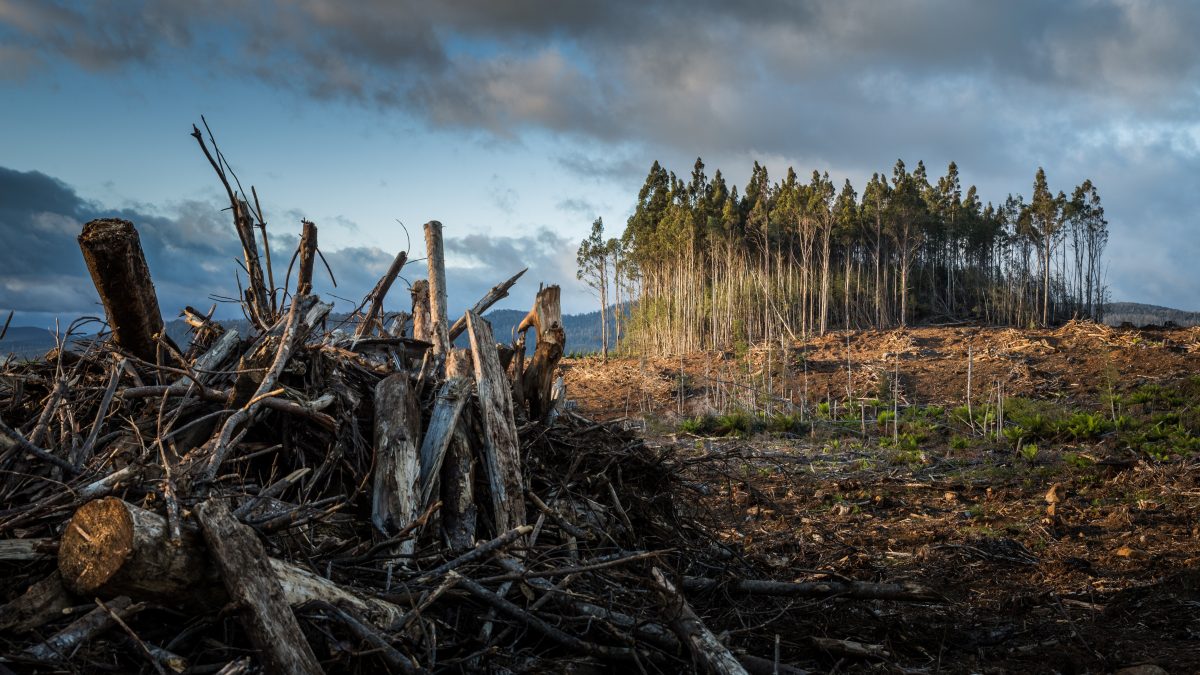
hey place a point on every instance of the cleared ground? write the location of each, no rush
(1060, 516)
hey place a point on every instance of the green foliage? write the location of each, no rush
(1029, 452)
(1086, 426)
(786, 423)
(885, 417)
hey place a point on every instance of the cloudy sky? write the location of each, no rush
(516, 123)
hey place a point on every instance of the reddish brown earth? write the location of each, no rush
(1104, 578)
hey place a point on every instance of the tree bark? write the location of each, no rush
(422, 324)
(308, 256)
(538, 379)
(437, 287)
(394, 501)
(458, 468)
(451, 399)
(707, 651)
(113, 253)
(379, 293)
(251, 582)
(502, 451)
(126, 551)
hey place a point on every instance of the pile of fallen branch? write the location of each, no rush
(313, 497)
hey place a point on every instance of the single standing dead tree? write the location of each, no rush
(538, 380)
(422, 325)
(437, 287)
(502, 452)
(113, 253)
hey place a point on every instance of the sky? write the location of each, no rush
(516, 124)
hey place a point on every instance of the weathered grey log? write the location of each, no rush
(62, 644)
(502, 451)
(26, 550)
(708, 653)
(41, 603)
(251, 582)
(459, 510)
(856, 590)
(436, 258)
(451, 398)
(308, 257)
(113, 253)
(396, 491)
(379, 293)
(422, 324)
(127, 552)
(538, 378)
(498, 293)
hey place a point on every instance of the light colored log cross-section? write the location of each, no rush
(502, 458)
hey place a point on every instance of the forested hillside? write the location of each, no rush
(1139, 314)
(710, 267)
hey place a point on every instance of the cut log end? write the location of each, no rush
(97, 544)
(111, 547)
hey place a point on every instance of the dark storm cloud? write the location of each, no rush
(191, 251)
(687, 74)
(999, 87)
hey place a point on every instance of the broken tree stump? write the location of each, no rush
(396, 491)
(457, 476)
(251, 582)
(502, 451)
(422, 323)
(308, 257)
(113, 253)
(537, 382)
(437, 287)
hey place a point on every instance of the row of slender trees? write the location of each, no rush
(704, 267)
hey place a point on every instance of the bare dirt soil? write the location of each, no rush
(1059, 518)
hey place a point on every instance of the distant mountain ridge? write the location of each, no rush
(583, 330)
(1140, 314)
(583, 333)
